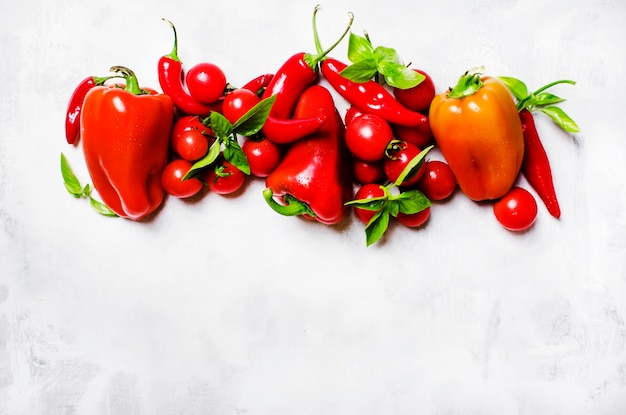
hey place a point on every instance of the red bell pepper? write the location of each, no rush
(314, 178)
(125, 134)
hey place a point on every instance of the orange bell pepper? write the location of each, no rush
(477, 128)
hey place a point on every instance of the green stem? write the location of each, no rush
(100, 80)
(313, 60)
(469, 83)
(292, 206)
(132, 84)
(523, 103)
(174, 53)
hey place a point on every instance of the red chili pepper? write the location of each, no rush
(314, 178)
(258, 84)
(75, 106)
(297, 73)
(171, 80)
(370, 96)
(126, 136)
(536, 166)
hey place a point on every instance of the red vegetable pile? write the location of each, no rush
(203, 135)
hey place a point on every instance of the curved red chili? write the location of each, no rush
(258, 84)
(536, 165)
(75, 106)
(171, 80)
(369, 96)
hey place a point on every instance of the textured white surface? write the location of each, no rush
(224, 307)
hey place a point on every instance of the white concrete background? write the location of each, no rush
(224, 307)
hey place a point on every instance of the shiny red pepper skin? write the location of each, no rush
(75, 106)
(536, 165)
(258, 84)
(370, 96)
(316, 170)
(288, 84)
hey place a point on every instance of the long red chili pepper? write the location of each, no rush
(75, 105)
(170, 71)
(370, 96)
(536, 166)
(258, 84)
(297, 73)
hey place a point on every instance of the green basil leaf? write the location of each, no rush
(71, 182)
(207, 160)
(359, 49)
(413, 166)
(100, 207)
(545, 98)
(384, 55)
(360, 72)
(561, 119)
(376, 227)
(220, 125)
(517, 87)
(253, 120)
(412, 201)
(373, 203)
(399, 76)
(393, 207)
(235, 155)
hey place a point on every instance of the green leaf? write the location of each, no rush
(207, 160)
(413, 166)
(220, 125)
(561, 119)
(376, 227)
(359, 49)
(373, 203)
(545, 98)
(360, 72)
(100, 207)
(517, 87)
(253, 120)
(399, 76)
(412, 201)
(384, 55)
(235, 155)
(71, 182)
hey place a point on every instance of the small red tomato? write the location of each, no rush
(438, 181)
(192, 145)
(367, 172)
(237, 103)
(414, 220)
(420, 96)
(367, 137)
(206, 82)
(225, 179)
(420, 135)
(189, 123)
(517, 210)
(171, 177)
(398, 157)
(367, 191)
(263, 156)
(351, 113)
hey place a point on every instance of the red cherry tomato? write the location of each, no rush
(225, 179)
(351, 113)
(517, 210)
(419, 97)
(189, 123)
(367, 137)
(398, 157)
(263, 156)
(414, 220)
(192, 145)
(237, 103)
(420, 135)
(438, 181)
(367, 191)
(206, 82)
(367, 172)
(171, 177)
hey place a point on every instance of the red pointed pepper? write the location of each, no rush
(370, 96)
(297, 73)
(125, 134)
(314, 178)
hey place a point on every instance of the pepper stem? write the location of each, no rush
(469, 83)
(292, 206)
(313, 60)
(174, 53)
(132, 85)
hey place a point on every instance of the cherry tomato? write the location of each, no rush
(420, 96)
(189, 123)
(367, 137)
(367, 172)
(192, 145)
(237, 103)
(224, 179)
(351, 113)
(398, 157)
(414, 220)
(171, 177)
(517, 210)
(438, 181)
(263, 156)
(206, 82)
(420, 135)
(367, 191)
